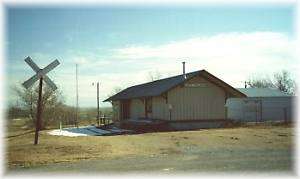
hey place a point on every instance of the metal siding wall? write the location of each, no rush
(272, 109)
(137, 109)
(159, 108)
(194, 103)
(116, 110)
(235, 109)
(196, 125)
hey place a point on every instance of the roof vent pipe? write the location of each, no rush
(183, 70)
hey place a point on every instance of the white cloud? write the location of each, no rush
(231, 44)
(80, 60)
(231, 56)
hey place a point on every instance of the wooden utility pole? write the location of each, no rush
(41, 76)
(98, 112)
(39, 113)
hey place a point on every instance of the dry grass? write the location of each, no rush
(53, 149)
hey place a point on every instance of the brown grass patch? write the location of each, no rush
(54, 149)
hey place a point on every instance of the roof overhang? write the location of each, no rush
(203, 73)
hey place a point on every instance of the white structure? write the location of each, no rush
(262, 104)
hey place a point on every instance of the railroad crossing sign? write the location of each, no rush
(40, 75)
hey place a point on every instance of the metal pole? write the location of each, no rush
(98, 115)
(39, 113)
(76, 117)
(183, 67)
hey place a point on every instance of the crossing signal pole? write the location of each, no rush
(41, 76)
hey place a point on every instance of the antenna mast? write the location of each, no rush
(76, 116)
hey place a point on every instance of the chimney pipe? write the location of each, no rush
(183, 70)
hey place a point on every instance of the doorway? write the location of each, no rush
(125, 106)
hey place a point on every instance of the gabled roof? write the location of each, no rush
(262, 92)
(158, 87)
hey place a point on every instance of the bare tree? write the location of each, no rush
(115, 91)
(261, 83)
(52, 101)
(152, 76)
(284, 82)
(281, 80)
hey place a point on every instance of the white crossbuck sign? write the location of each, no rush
(40, 73)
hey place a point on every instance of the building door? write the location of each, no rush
(125, 104)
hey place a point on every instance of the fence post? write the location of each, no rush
(261, 111)
(285, 114)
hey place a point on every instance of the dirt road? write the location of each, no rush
(242, 149)
(191, 160)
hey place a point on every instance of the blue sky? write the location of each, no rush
(120, 45)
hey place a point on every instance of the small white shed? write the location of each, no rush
(262, 104)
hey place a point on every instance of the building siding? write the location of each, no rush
(188, 103)
(137, 109)
(116, 111)
(159, 108)
(260, 109)
(196, 103)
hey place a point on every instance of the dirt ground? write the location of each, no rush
(251, 148)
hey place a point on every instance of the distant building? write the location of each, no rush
(262, 104)
(187, 101)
